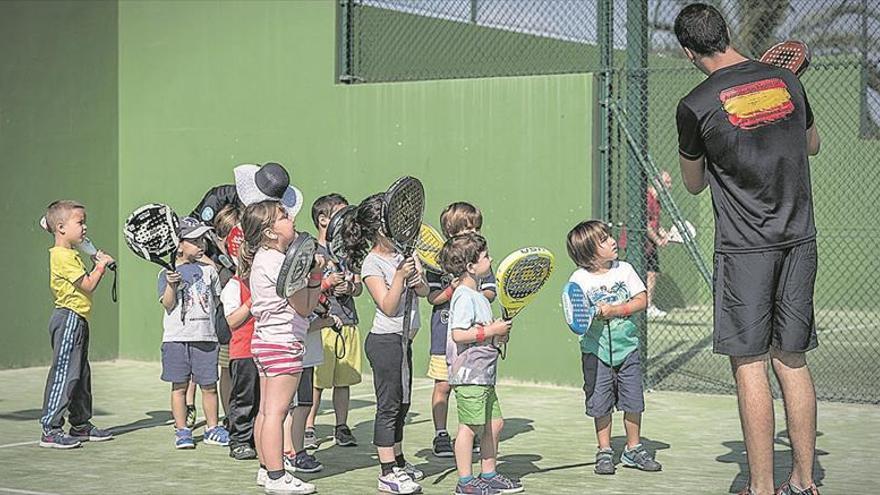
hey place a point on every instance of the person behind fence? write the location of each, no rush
(472, 357)
(610, 357)
(189, 295)
(69, 382)
(746, 132)
(655, 238)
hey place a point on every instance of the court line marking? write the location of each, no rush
(3, 489)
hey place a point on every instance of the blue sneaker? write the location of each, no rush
(503, 484)
(183, 439)
(639, 458)
(217, 436)
(90, 433)
(57, 439)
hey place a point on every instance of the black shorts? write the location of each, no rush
(303, 396)
(765, 299)
(607, 388)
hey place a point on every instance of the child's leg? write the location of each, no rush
(287, 446)
(341, 397)
(313, 411)
(274, 408)
(300, 415)
(225, 387)
(81, 398)
(65, 327)
(632, 421)
(258, 421)
(603, 431)
(178, 404)
(210, 405)
(491, 431)
(385, 356)
(488, 446)
(440, 404)
(464, 449)
(497, 426)
(191, 393)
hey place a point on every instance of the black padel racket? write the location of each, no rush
(335, 242)
(297, 263)
(151, 233)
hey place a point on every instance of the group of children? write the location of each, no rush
(282, 352)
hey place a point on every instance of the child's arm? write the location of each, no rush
(490, 294)
(420, 284)
(480, 333)
(440, 296)
(238, 317)
(89, 282)
(324, 322)
(169, 295)
(388, 299)
(622, 310)
(305, 300)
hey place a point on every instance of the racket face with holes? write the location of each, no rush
(335, 242)
(296, 265)
(404, 206)
(521, 275)
(428, 246)
(791, 55)
(577, 309)
(151, 233)
(675, 234)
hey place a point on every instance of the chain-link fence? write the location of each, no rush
(641, 75)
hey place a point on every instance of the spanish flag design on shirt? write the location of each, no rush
(757, 104)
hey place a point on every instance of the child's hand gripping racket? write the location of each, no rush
(791, 55)
(577, 308)
(428, 246)
(88, 248)
(521, 275)
(403, 208)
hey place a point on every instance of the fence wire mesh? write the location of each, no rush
(642, 74)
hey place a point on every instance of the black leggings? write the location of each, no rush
(385, 353)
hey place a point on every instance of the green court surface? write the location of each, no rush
(547, 442)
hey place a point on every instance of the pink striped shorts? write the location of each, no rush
(274, 359)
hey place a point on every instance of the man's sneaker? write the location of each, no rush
(475, 486)
(655, 312)
(183, 439)
(343, 437)
(57, 439)
(191, 417)
(604, 462)
(310, 440)
(287, 485)
(787, 489)
(503, 484)
(242, 452)
(262, 476)
(398, 482)
(90, 433)
(217, 436)
(639, 458)
(443, 445)
(306, 463)
(413, 472)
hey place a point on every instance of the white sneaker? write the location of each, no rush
(398, 482)
(413, 472)
(655, 312)
(262, 476)
(289, 463)
(288, 485)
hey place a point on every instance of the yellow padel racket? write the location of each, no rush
(428, 246)
(521, 275)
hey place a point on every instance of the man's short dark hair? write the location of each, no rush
(701, 29)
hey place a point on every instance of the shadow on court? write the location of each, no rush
(34, 414)
(338, 460)
(156, 418)
(781, 462)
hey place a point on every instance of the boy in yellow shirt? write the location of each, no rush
(68, 386)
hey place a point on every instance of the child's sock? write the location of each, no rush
(464, 479)
(488, 476)
(387, 467)
(401, 462)
(274, 475)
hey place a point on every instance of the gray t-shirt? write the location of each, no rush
(470, 364)
(385, 268)
(201, 294)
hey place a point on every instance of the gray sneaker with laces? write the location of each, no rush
(604, 462)
(503, 484)
(639, 458)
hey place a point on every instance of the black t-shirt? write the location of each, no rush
(440, 312)
(749, 121)
(214, 201)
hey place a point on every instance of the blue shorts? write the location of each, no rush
(182, 360)
(608, 388)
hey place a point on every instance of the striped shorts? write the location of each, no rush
(277, 358)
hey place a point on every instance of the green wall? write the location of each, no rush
(58, 139)
(205, 86)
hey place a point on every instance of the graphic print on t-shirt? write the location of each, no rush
(758, 103)
(617, 293)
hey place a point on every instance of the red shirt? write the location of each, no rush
(240, 344)
(653, 214)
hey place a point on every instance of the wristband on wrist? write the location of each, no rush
(624, 310)
(448, 292)
(481, 334)
(100, 269)
(325, 284)
(313, 286)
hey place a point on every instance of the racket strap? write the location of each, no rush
(114, 295)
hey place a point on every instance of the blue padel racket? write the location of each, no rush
(578, 310)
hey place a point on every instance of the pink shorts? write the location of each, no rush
(274, 359)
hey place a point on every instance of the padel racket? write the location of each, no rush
(335, 242)
(576, 307)
(89, 249)
(403, 208)
(521, 275)
(428, 246)
(675, 234)
(296, 266)
(151, 233)
(791, 55)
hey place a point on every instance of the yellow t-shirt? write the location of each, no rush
(65, 268)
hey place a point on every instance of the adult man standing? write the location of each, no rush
(746, 132)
